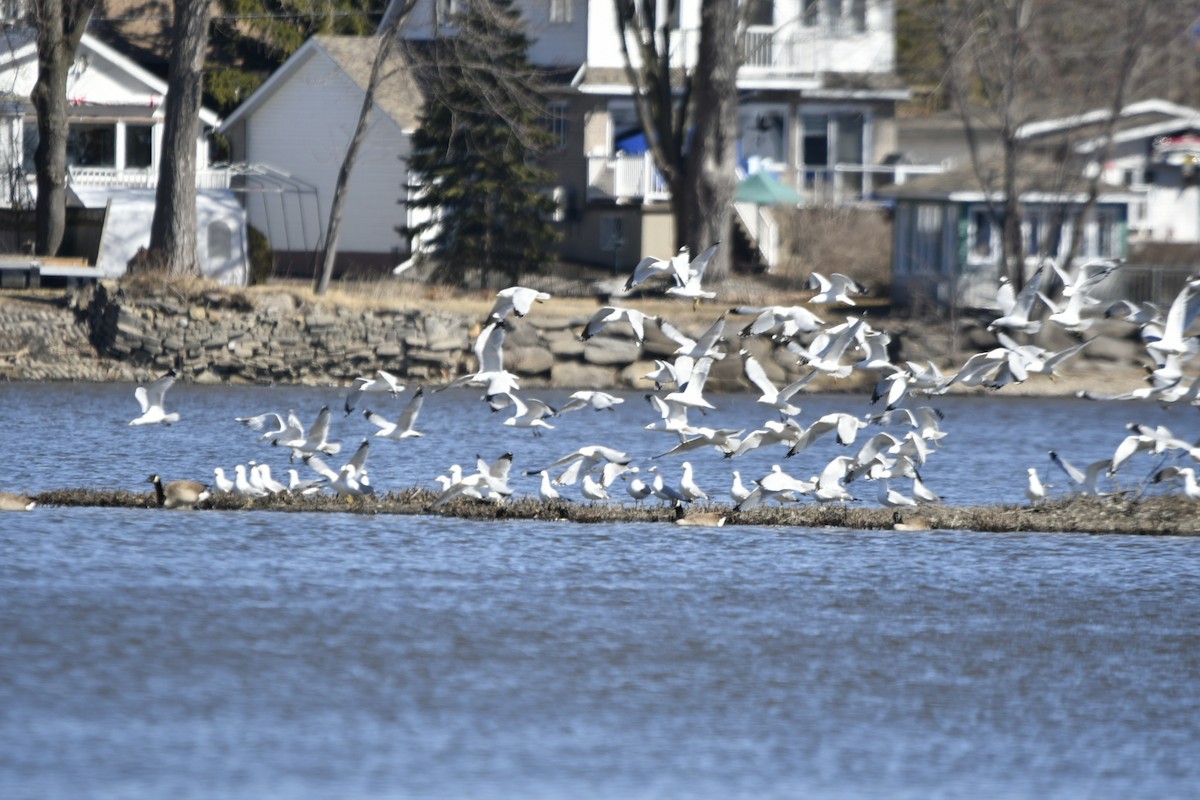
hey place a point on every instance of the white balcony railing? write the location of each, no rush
(141, 178)
(625, 177)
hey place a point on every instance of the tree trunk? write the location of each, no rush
(387, 42)
(60, 26)
(173, 229)
(704, 210)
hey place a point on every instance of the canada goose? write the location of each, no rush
(711, 519)
(11, 501)
(178, 494)
(913, 523)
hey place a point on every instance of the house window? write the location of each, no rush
(810, 14)
(833, 15)
(815, 149)
(562, 11)
(858, 15)
(92, 145)
(555, 121)
(139, 146)
(761, 12)
(980, 234)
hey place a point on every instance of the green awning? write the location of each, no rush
(761, 189)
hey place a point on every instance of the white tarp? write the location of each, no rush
(220, 230)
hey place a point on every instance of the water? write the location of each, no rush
(253, 654)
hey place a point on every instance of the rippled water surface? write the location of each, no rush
(255, 654)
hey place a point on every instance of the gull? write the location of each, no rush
(738, 490)
(638, 489)
(178, 494)
(786, 431)
(1191, 489)
(723, 439)
(488, 482)
(265, 481)
(690, 274)
(608, 314)
(780, 323)
(664, 491)
(314, 441)
(874, 345)
(279, 427)
(1180, 316)
(673, 416)
(837, 288)
(778, 399)
(587, 457)
(345, 482)
(403, 427)
(687, 484)
(593, 490)
(150, 397)
(515, 300)
(1152, 440)
(302, 487)
(691, 394)
(530, 414)
(600, 401)
(1086, 276)
(825, 351)
(381, 382)
(1037, 360)
(223, 484)
(924, 418)
(1141, 313)
(890, 498)
(922, 494)
(1070, 314)
(1015, 310)
(546, 491)
(650, 266)
(667, 372)
(846, 425)
(1084, 480)
(829, 483)
(704, 347)
(893, 387)
(775, 484)
(490, 372)
(242, 484)
(1035, 490)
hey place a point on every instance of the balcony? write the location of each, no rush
(140, 178)
(625, 178)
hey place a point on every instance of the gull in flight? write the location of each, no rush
(650, 266)
(608, 314)
(584, 398)
(689, 274)
(1191, 489)
(381, 382)
(676, 372)
(291, 428)
(515, 300)
(1172, 340)
(403, 427)
(691, 394)
(1084, 480)
(827, 348)
(490, 372)
(775, 484)
(150, 397)
(1015, 310)
(488, 482)
(846, 425)
(779, 323)
(704, 347)
(529, 414)
(583, 460)
(351, 479)
(316, 440)
(837, 288)
(776, 398)
(1086, 276)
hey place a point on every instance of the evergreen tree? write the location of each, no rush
(474, 160)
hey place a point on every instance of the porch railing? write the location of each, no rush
(141, 178)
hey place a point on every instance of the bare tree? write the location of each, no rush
(1009, 62)
(173, 229)
(60, 26)
(696, 153)
(385, 45)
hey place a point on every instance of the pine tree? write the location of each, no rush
(474, 156)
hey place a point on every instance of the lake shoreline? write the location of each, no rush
(1170, 515)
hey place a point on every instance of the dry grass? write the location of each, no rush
(1167, 515)
(854, 242)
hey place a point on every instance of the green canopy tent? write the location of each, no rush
(762, 189)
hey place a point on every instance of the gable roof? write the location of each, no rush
(397, 96)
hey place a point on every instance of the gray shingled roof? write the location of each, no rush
(397, 95)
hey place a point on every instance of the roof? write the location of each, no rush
(1037, 176)
(397, 96)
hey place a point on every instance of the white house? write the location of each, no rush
(819, 95)
(294, 131)
(113, 154)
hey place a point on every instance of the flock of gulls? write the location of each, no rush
(883, 452)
